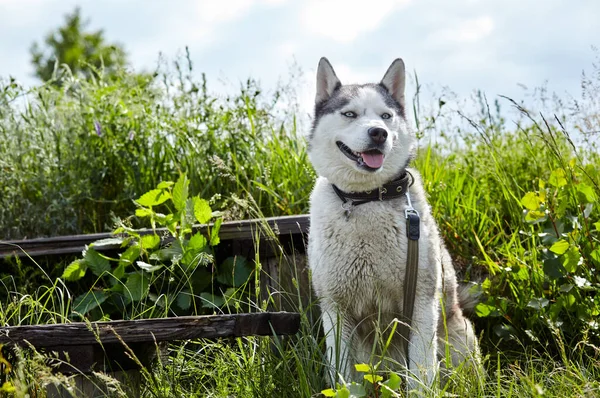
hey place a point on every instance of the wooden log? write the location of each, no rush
(119, 348)
(230, 230)
(153, 330)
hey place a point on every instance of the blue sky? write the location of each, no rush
(462, 44)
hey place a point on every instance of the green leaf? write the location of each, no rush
(148, 267)
(559, 247)
(172, 253)
(107, 242)
(211, 301)
(571, 259)
(197, 242)
(143, 212)
(149, 242)
(154, 197)
(505, 331)
(554, 268)
(234, 271)
(165, 184)
(119, 272)
(88, 301)
(486, 284)
(75, 271)
(392, 384)
(328, 393)
(371, 378)
(565, 288)
(356, 390)
(202, 211)
(531, 201)
(483, 310)
(137, 286)
(344, 393)
(184, 299)
(595, 255)
(567, 301)
(180, 192)
(96, 262)
(362, 367)
(597, 225)
(538, 303)
(558, 178)
(535, 216)
(129, 255)
(586, 193)
(214, 232)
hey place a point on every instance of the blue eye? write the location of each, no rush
(349, 114)
(386, 116)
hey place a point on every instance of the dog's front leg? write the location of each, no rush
(337, 337)
(422, 347)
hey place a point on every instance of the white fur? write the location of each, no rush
(358, 263)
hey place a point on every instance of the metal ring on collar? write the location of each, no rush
(412, 178)
(382, 191)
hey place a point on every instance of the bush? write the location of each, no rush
(159, 276)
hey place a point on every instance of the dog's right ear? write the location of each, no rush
(394, 80)
(327, 81)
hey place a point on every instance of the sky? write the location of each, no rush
(492, 45)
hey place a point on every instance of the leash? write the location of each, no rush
(393, 190)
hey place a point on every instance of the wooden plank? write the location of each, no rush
(230, 230)
(151, 330)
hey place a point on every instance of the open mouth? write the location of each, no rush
(370, 160)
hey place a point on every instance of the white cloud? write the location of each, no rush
(475, 29)
(215, 12)
(202, 24)
(467, 31)
(287, 49)
(343, 20)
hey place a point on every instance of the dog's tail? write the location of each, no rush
(469, 295)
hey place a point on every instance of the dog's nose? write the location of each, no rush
(378, 134)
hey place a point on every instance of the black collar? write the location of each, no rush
(392, 190)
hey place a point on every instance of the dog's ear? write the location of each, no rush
(394, 80)
(327, 81)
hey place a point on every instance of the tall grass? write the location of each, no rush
(72, 157)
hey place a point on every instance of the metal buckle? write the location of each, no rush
(410, 209)
(382, 191)
(347, 207)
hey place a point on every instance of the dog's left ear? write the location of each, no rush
(394, 80)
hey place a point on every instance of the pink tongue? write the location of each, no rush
(373, 160)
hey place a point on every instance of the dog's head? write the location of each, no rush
(360, 138)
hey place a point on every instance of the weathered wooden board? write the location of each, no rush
(230, 230)
(153, 330)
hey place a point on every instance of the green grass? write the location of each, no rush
(516, 203)
(294, 366)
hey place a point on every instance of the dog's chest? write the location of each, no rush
(362, 253)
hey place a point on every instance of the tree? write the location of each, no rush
(83, 52)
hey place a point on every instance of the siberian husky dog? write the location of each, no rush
(361, 146)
